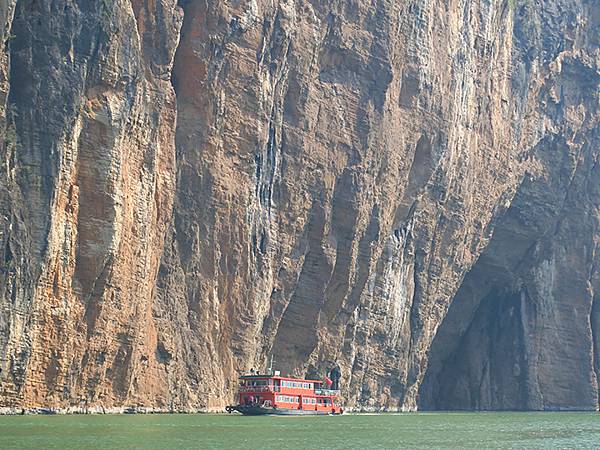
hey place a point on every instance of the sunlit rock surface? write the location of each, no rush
(407, 191)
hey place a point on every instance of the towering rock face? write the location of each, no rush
(88, 180)
(406, 191)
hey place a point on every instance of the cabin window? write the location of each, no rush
(293, 384)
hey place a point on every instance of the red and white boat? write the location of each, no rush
(273, 394)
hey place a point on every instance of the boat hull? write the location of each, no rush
(270, 411)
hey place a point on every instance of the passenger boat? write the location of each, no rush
(273, 394)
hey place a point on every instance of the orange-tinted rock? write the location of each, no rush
(403, 190)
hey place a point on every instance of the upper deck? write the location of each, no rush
(260, 383)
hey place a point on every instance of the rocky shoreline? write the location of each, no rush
(77, 410)
(14, 411)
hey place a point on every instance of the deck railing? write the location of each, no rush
(327, 392)
(278, 389)
(259, 388)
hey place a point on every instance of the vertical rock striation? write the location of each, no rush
(406, 191)
(87, 186)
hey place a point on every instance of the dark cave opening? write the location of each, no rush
(486, 368)
(520, 333)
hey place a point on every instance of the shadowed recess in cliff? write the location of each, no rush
(296, 335)
(487, 369)
(517, 333)
(422, 168)
(362, 265)
(345, 210)
(466, 358)
(595, 330)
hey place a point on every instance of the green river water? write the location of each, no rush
(410, 430)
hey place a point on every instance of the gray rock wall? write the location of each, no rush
(403, 190)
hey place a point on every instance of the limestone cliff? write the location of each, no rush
(407, 191)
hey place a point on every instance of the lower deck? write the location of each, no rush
(300, 403)
(256, 410)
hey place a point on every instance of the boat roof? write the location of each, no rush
(278, 377)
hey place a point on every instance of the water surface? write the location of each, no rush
(410, 430)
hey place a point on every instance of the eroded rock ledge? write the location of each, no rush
(407, 191)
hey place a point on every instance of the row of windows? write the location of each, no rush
(296, 384)
(305, 400)
(284, 383)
